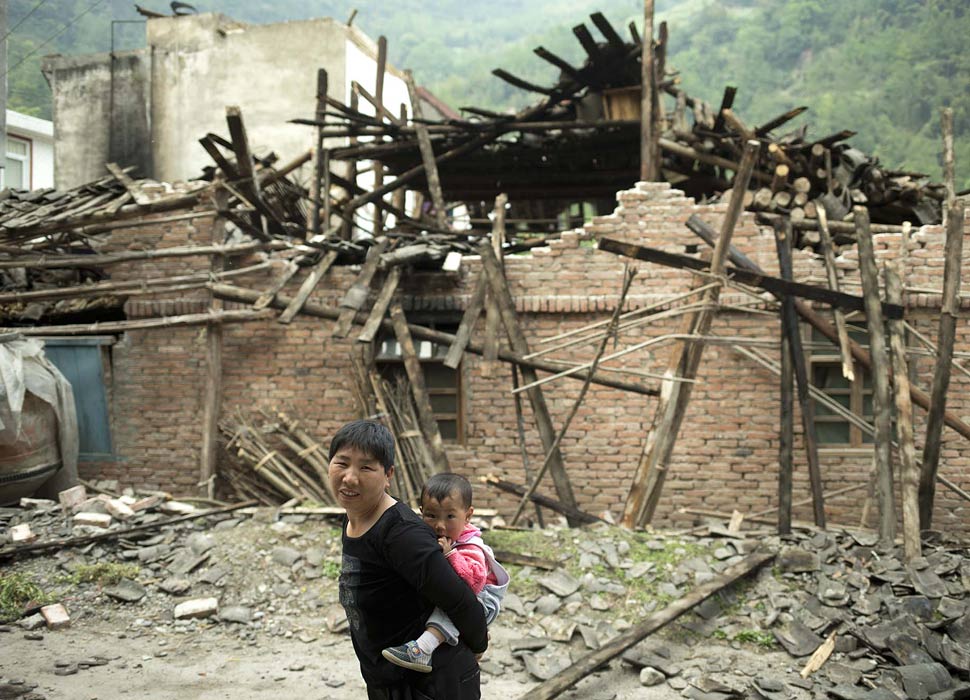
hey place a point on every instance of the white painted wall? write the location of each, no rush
(38, 134)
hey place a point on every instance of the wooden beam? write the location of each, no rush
(591, 662)
(953, 255)
(288, 272)
(880, 372)
(412, 365)
(775, 285)
(608, 32)
(520, 83)
(144, 324)
(783, 241)
(909, 469)
(498, 287)
(133, 188)
(381, 304)
(309, 284)
(570, 71)
(248, 296)
(647, 484)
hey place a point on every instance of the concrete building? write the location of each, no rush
(149, 107)
(29, 153)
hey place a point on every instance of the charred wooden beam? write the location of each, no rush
(576, 514)
(774, 285)
(520, 83)
(567, 68)
(727, 101)
(778, 121)
(606, 29)
(589, 44)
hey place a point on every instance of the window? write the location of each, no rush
(17, 170)
(443, 383)
(825, 368)
(82, 362)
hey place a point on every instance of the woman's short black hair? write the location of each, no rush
(367, 436)
(440, 486)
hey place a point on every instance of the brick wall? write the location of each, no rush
(726, 453)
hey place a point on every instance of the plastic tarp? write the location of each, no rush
(24, 368)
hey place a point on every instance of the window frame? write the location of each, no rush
(857, 392)
(26, 161)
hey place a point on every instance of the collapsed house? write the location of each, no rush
(170, 296)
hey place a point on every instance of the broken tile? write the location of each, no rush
(126, 590)
(560, 583)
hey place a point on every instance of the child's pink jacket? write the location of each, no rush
(469, 561)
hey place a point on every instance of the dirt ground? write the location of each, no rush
(283, 575)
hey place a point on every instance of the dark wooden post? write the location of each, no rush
(786, 436)
(498, 287)
(805, 404)
(427, 154)
(880, 378)
(909, 468)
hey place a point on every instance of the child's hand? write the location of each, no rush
(445, 544)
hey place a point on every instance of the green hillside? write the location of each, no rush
(883, 68)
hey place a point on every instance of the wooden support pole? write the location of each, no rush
(309, 284)
(493, 319)
(786, 436)
(649, 167)
(498, 287)
(882, 409)
(651, 471)
(145, 324)
(908, 468)
(523, 449)
(381, 305)
(539, 500)
(277, 286)
(859, 354)
(953, 255)
(588, 664)
(248, 296)
(321, 160)
(790, 322)
(429, 426)
(212, 396)
(628, 275)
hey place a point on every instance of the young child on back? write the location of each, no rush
(446, 505)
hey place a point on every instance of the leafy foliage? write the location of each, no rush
(883, 68)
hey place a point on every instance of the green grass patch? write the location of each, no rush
(103, 573)
(16, 591)
(765, 640)
(331, 569)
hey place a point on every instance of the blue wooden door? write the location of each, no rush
(80, 363)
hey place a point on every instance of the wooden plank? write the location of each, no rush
(427, 153)
(356, 296)
(647, 484)
(500, 291)
(276, 287)
(953, 254)
(523, 449)
(775, 285)
(102, 327)
(248, 296)
(591, 662)
(783, 240)
(909, 469)
(249, 185)
(133, 188)
(468, 320)
(373, 323)
(608, 32)
(880, 373)
(309, 284)
(493, 320)
(828, 254)
(563, 65)
(520, 83)
(429, 426)
(588, 42)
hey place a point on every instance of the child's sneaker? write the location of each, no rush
(409, 656)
